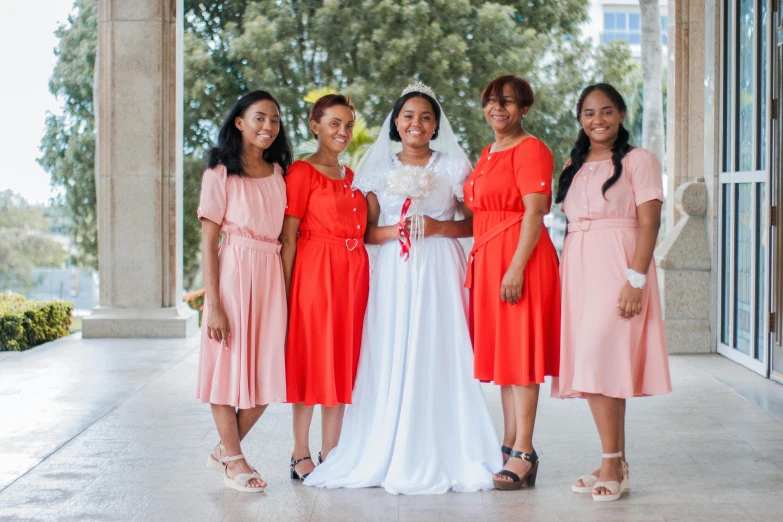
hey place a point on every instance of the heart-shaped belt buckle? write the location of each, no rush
(584, 225)
(348, 244)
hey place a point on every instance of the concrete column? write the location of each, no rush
(685, 98)
(139, 171)
(684, 265)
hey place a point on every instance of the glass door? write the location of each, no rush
(744, 249)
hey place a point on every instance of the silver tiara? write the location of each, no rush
(419, 87)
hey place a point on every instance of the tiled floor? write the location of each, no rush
(109, 430)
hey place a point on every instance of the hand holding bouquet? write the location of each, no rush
(414, 184)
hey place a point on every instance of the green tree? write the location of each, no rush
(68, 145)
(24, 243)
(368, 49)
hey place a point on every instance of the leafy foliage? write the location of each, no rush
(195, 300)
(24, 244)
(68, 145)
(368, 49)
(24, 324)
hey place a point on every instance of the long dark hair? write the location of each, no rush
(228, 151)
(582, 146)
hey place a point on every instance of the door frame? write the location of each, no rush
(776, 193)
(731, 179)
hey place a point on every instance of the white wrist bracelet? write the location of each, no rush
(635, 279)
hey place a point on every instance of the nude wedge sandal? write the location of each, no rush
(589, 481)
(614, 488)
(212, 462)
(239, 483)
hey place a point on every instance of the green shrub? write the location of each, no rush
(195, 300)
(11, 299)
(24, 324)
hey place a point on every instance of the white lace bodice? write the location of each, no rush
(441, 204)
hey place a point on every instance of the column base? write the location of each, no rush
(688, 336)
(152, 323)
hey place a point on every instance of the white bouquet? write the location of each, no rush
(414, 184)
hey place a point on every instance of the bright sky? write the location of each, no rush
(27, 58)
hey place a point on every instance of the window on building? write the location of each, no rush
(619, 25)
(665, 30)
(622, 26)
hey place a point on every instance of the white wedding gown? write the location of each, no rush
(419, 423)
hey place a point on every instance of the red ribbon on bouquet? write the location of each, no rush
(402, 236)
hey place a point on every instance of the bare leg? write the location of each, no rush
(303, 417)
(331, 425)
(607, 415)
(227, 426)
(246, 419)
(509, 418)
(620, 438)
(525, 406)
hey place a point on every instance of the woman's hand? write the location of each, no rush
(217, 325)
(629, 303)
(431, 226)
(511, 285)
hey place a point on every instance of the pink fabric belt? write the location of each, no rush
(273, 247)
(350, 243)
(586, 225)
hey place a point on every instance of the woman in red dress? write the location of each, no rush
(513, 272)
(327, 274)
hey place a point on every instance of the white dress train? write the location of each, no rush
(419, 423)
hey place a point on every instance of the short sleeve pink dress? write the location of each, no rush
(600, 351)
(249, 370)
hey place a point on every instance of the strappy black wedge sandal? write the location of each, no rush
(517, 482)
(294, 474)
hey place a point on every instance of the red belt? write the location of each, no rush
(485, 238)
(262, 245)
(350, 243)
(586, 225)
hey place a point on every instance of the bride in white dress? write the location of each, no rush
(419, 423)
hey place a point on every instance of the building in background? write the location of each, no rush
(612, 20)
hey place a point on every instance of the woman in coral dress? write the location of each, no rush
(513, 272)
(327, 273)
(242, 360)
(613, 342)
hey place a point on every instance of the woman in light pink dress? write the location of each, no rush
(612, 339)
(242, 363)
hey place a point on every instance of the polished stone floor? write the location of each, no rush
(109, 430)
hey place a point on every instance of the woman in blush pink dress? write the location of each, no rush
(612, 336)
(242, 363)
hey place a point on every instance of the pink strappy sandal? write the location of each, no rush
(588, 481)
(614, 488)
(239, 483)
